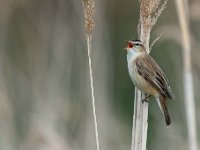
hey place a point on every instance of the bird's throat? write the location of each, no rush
(131, 55)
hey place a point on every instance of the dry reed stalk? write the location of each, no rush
(182, 10)
(89, 10)
(150, 10)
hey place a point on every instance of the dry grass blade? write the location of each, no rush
(154, 42)
(89, 24)
(158, 13)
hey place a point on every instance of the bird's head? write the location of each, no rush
(135, 48)
(135, 45)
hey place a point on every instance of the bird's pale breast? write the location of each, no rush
(139, 81)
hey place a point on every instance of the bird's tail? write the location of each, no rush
(163, 106)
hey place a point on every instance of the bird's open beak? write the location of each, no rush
(129, 42)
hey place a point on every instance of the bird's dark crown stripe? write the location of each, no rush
(137, 42)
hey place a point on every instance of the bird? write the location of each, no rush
(148, 77)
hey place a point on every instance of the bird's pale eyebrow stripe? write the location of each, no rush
(137, 42)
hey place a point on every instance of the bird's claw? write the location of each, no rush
(146, 99)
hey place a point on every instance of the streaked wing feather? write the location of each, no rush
(151, 72)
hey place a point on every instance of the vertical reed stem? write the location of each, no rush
(182, 10)
(92, 91)
(89, 10)
(140, 124)
(150, 10)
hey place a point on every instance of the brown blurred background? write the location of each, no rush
(45, 99)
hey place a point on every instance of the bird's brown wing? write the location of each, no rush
(151, 72)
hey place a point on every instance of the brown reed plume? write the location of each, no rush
(89, 15)
(150, 10)
(89, 10)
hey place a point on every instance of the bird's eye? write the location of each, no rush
(136, 44)
(130, 45)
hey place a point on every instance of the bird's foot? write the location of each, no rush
(146, 99)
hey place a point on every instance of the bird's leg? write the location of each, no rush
(146, 99)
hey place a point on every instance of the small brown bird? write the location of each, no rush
(147, 76)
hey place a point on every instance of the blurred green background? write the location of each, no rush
(45, 99)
